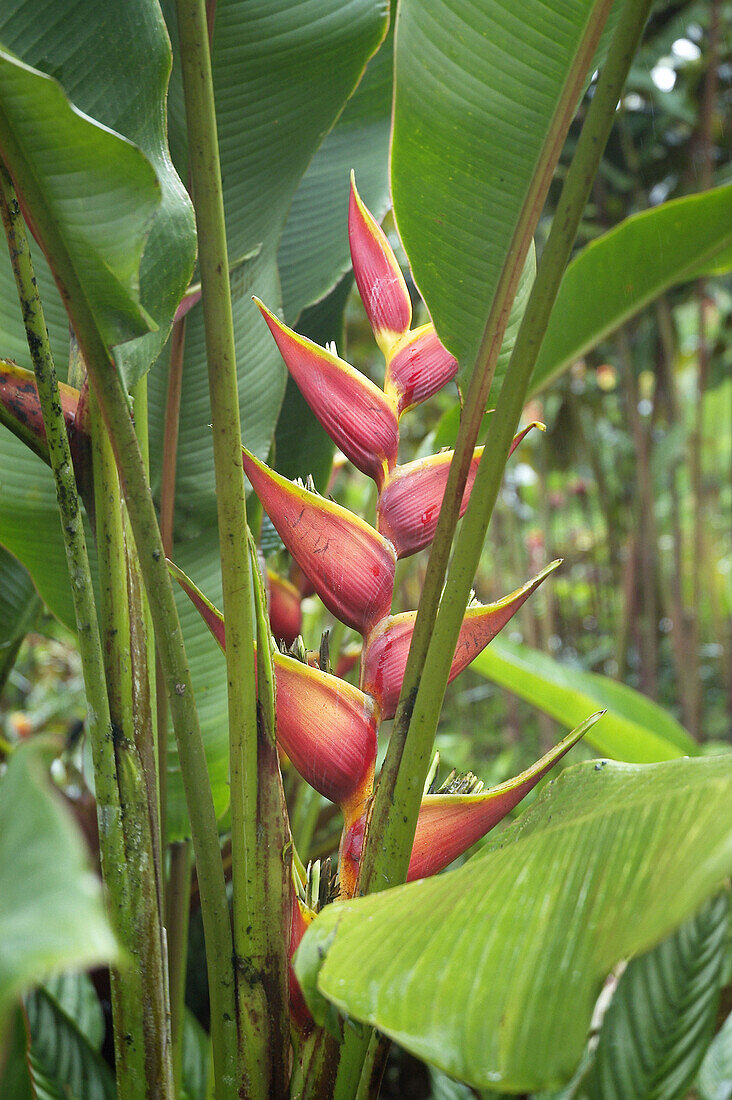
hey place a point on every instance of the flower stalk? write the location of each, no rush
(262, 1063)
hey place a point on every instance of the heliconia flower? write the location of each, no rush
(409, 505)
(354, 412)
(419, 366)
(326, 726)
(388, 647)
(448, 824)
(378, 275)
(349, 564)
(285, 612)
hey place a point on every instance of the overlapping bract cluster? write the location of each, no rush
(326, 726)
(350, 564)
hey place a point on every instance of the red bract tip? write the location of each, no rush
(378, 275)
(418, 368)
(354, 412)
(386, 654)
(211, 615)
(349, 564)
(285, 612)
(326, 726)
(449, 824)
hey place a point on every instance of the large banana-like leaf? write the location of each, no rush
(662, 1014)
(113, 62)
(622, 271)
(491, 972)
(313, 253)
(56, 880)
(635, 728)
(481, 100)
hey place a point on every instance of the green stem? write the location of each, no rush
(391, 856)
(143, 656)
(191, 756)
(255, 909)
(125, 663)
(386, 854)
(126, 1000)
(178, 908)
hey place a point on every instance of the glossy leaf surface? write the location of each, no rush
(56, 879)
(124, 88)
(448, 824)
(635, 729)
(460, 176)
(60, 1050)
(313, 253)
(662, 1014)
(473, 970)
(619, 273)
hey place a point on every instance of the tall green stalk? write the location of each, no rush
(263, 1048)
(398, 804)
(120, 653)
(126, 990)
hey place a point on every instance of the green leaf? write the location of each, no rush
(19, 607)
(123, 89)
(447, 428)
(625, 269)
(715, 1076)
(661, 1017)
(196, 1058)
(37, 835)
(62, 1053)
(490, 972)
(313, 251)
(634, 729)
(77, 998)
(63, 163)
(478, 95)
